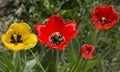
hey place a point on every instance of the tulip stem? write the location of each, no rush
(94, 36)
(16, 61)
(84, 65)
(38, 62)
(77, 65)
(57, 60)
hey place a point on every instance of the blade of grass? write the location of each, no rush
(38, 62)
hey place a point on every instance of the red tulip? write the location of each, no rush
(56, 33)
(104, 17)
(87, 51)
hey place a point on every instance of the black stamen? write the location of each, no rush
(17, 40)
(56, 39)
(13, 40)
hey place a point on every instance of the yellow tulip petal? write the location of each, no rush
(31, 41)
(12, 46)
(7, 35)
(19, 46)
(22, 29)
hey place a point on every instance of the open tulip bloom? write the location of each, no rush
(19, 37)
(104, 17)
(56, 33)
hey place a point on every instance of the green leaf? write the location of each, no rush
(73, 51)
(50, 61)
(8, 63)
(93, 37)
(105, 52)
(90, 64)
(76, 65)
(37, 60)
(3, 67)
(64, 67)
(29, 65)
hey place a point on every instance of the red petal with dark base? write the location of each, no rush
(104, 17)
(56, 33)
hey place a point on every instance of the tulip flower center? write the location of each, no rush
(56, 38)
(16, 39)
(88, 50)
(104, 21)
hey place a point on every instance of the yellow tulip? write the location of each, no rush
(19, 37)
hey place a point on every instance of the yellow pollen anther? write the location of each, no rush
(103, 18)
(15, 36)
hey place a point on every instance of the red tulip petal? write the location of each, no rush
(99, 11)
(39, 27)
(70, 31)
(42, 33)
(114, 16)
(59, 47)
(55, 24)
(109, 9)
(91, 57)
